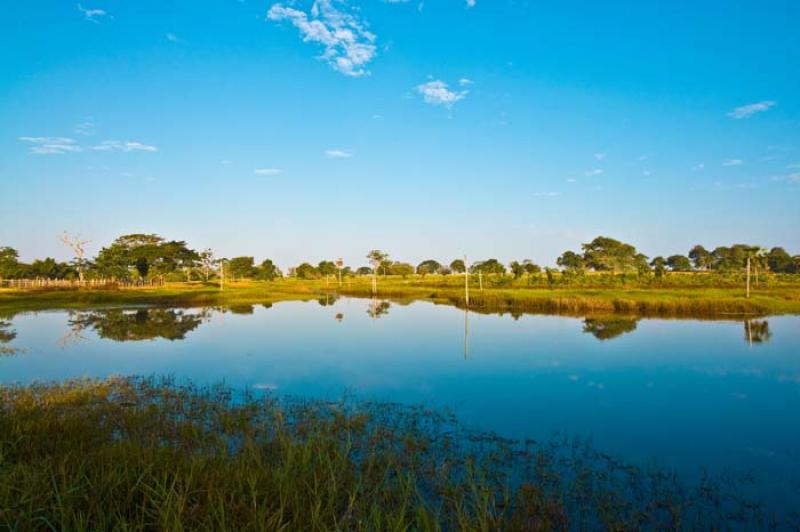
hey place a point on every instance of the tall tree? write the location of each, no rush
(458, 266)
(242, 268)
(679, 263)
(701, 257)
(607, 254)
(268, 271)
(428, 266)
(78, 247)
(572, 262)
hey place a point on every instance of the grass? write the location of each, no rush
(685, 296)
(145, 454)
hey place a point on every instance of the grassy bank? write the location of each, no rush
(137, 454)
(686, 300)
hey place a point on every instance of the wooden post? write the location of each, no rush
(466, 281)
(222, 274)
(480, 280)
(748, 278)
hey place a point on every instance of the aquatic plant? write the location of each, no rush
(146, 453)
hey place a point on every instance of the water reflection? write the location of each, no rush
(609, 328)
(7, 335)
(378, 308)
(327, 300)
(140, 324)
(757, 332)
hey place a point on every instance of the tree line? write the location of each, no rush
(149, 256)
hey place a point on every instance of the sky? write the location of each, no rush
(310, 130)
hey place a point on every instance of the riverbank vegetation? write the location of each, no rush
(144, 454)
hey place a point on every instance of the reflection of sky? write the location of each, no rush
(686, 394)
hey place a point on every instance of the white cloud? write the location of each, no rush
(594, 172)
(437, 93)
(267, 171)
(546, 194)
(92, 15)
(732, 162)
(126, 146)
(793, 166)
(471, 3)
(51, 145)
(699, 167)
(349, 46)
(85, 128)
(171, 37)
(338, 154)
(749, 110)
(791, 178)
(61, 145)
(465, 82)
(599, 156)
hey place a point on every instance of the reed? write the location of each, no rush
(149, 454)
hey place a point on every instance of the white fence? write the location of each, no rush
(93, 283)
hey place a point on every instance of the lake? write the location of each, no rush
(688, 395)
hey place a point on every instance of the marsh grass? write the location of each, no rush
(148, 454)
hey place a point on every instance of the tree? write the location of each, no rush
(489, 267)
(517, 269)
(364, 270)
(377, 258)
(78, 248)
(207, 262)
(572, 262)
(701, 258)
(242, 268)
(428, 266)
(9, 262)
(326, 268)
(779, 261)
(268, 271)
(144, 255)
(401, 268)
(679, 263)
(306, 271)
(607, 254)
(659, 266)
(457, 266)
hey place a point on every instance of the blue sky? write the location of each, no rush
(303, 130)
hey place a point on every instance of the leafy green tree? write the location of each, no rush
(50, 269)
(242, 268)
(401, 268)
(306, 271)
(268, 271)
(327, 268)
(9, 262)
(679, 263)
(457, 266)
(659, 265)
(489, 267)
(780, 261)
(572, 262)
(144, 255)
(364, 270)
(428, 266)
(607, 254)
(517, 269)
(701, 258)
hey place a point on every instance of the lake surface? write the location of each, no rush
(722, 396)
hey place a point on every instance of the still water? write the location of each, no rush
(720, 396)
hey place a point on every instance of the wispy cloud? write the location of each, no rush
(338, 154)
(594, 172)
(51, 145)
(438, 93)
(698, 167)
(465, 82)
(126, 146)
(349, 46)
(733, 162)
(546, 194)
(471, 3)
(93, 15)
(746, 111)
(599, 156)
(62, 145)
(791, 178)
(268, 171)
(171, 37)
(86, 128)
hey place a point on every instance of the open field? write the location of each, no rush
(143, 454)
(685, 298)
(774, 298)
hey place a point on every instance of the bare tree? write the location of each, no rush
(77, 246)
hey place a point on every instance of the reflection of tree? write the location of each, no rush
(339, 317)
(241, 309)
(327, 300)
(757, 331)
(378, 308)
(609, 328)
(142, 324)
(7, 334)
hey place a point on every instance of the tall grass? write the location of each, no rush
(146, 454)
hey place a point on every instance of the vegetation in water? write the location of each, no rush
(145, 454)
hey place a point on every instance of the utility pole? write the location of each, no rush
(222, 274)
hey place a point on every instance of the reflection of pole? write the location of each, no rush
(466, 281)
(466, 334)
(748, 277)
(749, 334)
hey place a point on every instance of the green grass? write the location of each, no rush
(684, 296)
(143, 454)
